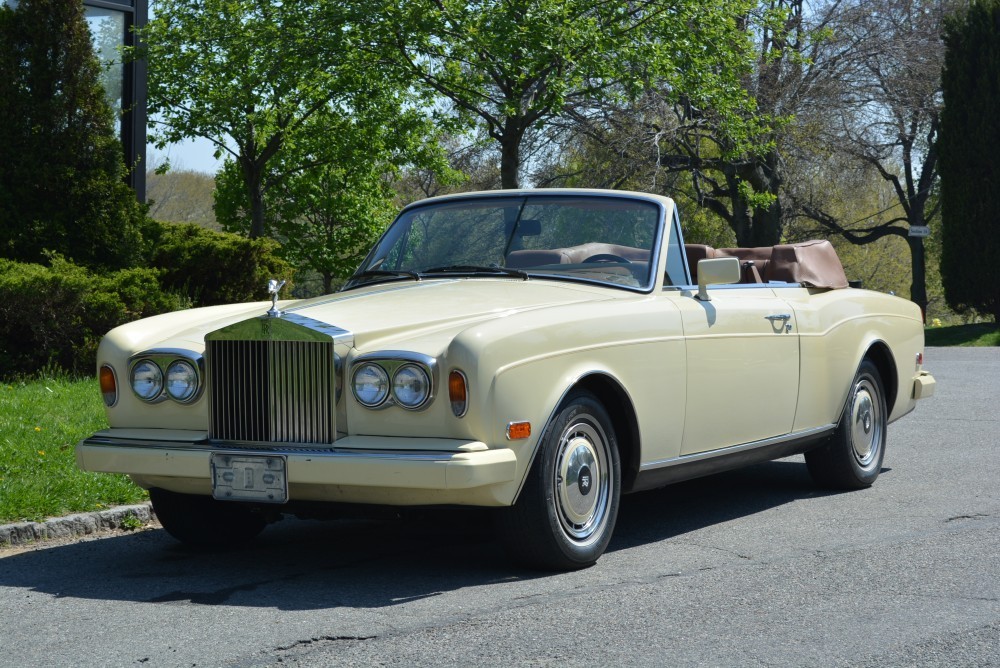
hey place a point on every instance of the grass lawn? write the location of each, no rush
(980, 334)
(41, 421)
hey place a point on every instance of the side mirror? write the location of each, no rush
(719, 270)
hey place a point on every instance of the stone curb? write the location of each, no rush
(71, 526)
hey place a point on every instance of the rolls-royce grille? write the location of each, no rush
(272, 391)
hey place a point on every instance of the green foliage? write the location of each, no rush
(327, 217)
(54, 317)
(209, 267)
(969, 143)
(270, 91)
(516, 66)
(62, 183)
(40, 423)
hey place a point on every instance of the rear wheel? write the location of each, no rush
(852, 458)
(567, 509)
(203, 521)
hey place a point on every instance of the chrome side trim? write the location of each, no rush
(744, 447)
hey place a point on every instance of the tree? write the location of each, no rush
(734, 158)
(888, 118)
(62, 186)
(516, 65)
(328, 216)
(969, 143)
(252, 75)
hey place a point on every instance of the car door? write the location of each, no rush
(742, 353)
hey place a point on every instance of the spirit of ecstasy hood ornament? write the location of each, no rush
(274, 287)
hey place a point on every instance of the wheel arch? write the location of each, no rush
(618, 404)
(881, 356)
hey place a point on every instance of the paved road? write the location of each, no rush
(751, 568)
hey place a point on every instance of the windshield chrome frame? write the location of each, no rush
(528, 195)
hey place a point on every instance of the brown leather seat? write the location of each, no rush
(695, 252)
(755, 262)
(573, 255)
(536, 258)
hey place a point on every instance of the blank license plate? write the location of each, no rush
(260, 478)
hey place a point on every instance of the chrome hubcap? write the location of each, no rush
(866, 423)
(582, 483)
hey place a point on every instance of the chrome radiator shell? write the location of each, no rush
(276, 381)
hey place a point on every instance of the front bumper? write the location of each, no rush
(359, 469)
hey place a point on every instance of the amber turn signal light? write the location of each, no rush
(109, 385)
(458, 393)
(518, 430)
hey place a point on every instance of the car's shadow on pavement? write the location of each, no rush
(306, 565)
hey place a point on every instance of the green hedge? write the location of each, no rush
(214, 267)
(55, 316)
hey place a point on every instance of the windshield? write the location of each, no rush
(589, 238)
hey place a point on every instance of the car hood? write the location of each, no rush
(377, 316)
(380, 314)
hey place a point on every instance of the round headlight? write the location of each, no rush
(147, 380)
(182, 381)
(371, 385)
(411, 386)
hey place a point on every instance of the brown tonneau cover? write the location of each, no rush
(813, 264)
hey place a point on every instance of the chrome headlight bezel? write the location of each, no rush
(391, 363)
(162, 361)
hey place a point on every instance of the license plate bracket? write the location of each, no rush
(239, 477)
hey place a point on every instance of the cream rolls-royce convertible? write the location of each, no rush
(539, 352)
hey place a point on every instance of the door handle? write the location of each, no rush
(782, 320)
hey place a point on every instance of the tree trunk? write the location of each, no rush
(253, 180)
(764, 174)
(256, 210)
(766, 227)
(510, 151)
(510, 162)
(755, 227)
(918, 288)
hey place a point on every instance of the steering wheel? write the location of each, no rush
(606, 257)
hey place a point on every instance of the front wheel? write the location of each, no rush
(202, 521)
(852, 458)
(566, 512)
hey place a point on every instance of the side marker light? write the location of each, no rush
(518, 430)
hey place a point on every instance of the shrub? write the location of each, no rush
(212, 267)
(55, 316)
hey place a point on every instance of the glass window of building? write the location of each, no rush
(107, 27)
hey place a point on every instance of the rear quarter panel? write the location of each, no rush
(836, 329)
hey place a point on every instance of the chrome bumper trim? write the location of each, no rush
(390, 468)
